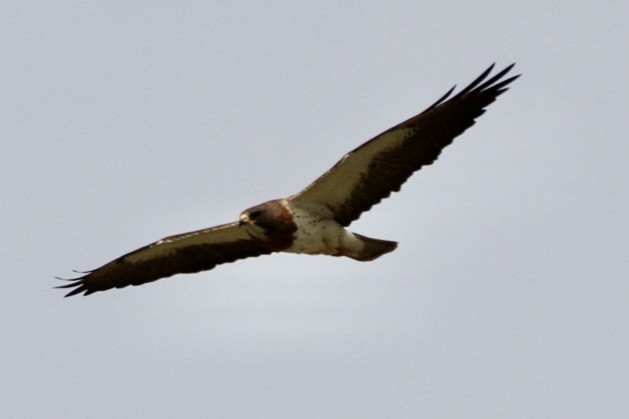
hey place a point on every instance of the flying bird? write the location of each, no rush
(314, 220)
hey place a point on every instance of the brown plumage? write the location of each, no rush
(414, 143)
(313, 220)
(183, 253)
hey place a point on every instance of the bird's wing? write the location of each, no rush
(183, 253)
(368, 174)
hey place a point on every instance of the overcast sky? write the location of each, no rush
(124, 122)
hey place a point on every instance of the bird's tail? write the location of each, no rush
(374, 248)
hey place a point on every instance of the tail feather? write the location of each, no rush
(374, 248)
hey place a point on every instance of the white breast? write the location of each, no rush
(317, 234)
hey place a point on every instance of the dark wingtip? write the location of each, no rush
(442, 98)
(477, 80)
(75, 283)
(78, 288)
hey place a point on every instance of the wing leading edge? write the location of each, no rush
(190, 252)
(369, 173)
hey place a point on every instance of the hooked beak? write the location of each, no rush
(244, 219)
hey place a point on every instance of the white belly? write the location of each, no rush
(317, 235)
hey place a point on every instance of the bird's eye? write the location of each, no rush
(255, 214)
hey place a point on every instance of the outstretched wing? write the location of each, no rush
(184, 253)
(368, 174)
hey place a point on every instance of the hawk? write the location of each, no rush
(314, 220)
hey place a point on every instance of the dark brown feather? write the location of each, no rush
(186, 253)
(368, 174)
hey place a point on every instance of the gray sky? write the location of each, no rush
(126, 122)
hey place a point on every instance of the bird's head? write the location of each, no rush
(268, 221)
(256, 220)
